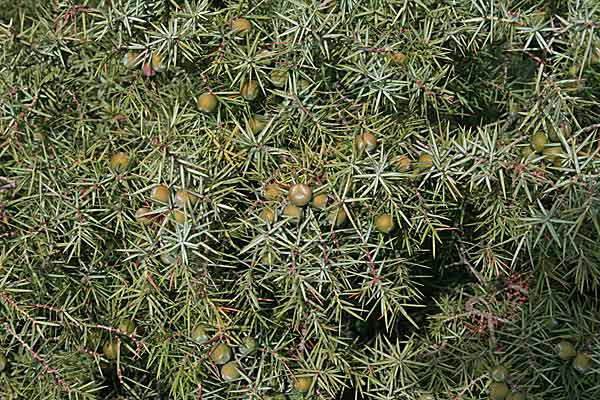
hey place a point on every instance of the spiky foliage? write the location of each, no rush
(112, 287)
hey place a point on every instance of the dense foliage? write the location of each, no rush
(371, 199)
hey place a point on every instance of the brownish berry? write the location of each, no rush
(249, 90)
(160, 193)
(207, 103)
(300, 194)
(241, 26)
(384, 223)
(119, 161)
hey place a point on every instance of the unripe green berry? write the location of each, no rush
(303, 384)
(230, 371)
(582, 362)
(565, 350)
(199, 334)
(525, 151)
(515, 396)
(554, 154)
(127, 326)
(500, 374)
(498, 391)
(279, 77)
(538, 142)
(221, 354)
(111, 349)
(248, 346)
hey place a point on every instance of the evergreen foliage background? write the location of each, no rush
(494, 258)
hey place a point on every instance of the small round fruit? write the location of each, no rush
(500, 374)
(241, 26)
(320, 201)
(141, 216)
(300, 194)
(303, 384)
(526, 151)
(384, 223)
(302, 84)
(515, 396)
(565, 128)
(366, 141)
(131, 59)
(257, 123)
(425, 161)
(338, 217)
(267, 215)
(119, 161)
(230, 372)
(179, 216)
(426, 396)
(168, 258)
(147, 69)
(538, 142)
(292, 211)
(199, 334)
(248, 346)
(158, 62)
(111, 349)
(403, 163)
(279, 77)
(3, 362)
(160, 193)
(221, 354)
(127, 326)
(249, 90)
(498, 391)
(582, 362)
(183, 198)
(554, 154)
(398, 57)
(207, 103)
(565, 350)
(272, 191)
(264, 57)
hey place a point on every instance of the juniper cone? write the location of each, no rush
(111, 112)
